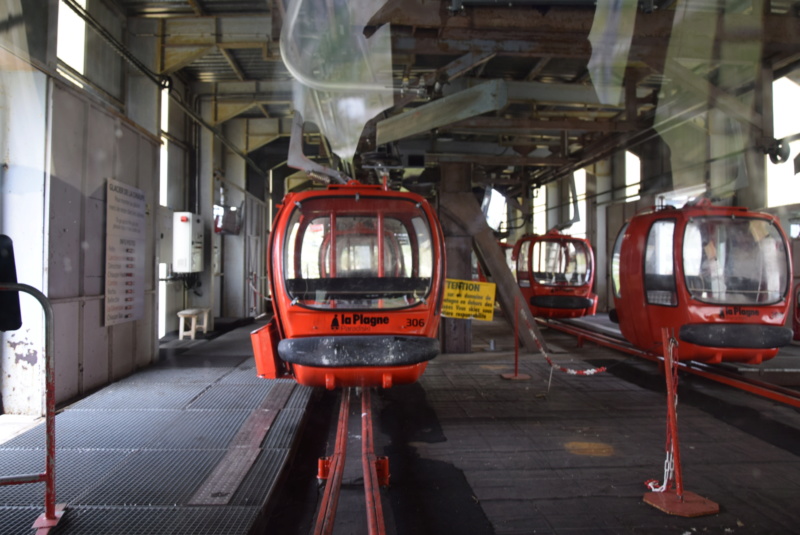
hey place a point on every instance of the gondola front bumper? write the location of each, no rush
(735, 335)
(358, 351)
(571, 302)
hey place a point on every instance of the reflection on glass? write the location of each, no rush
(734, 261)
(342, 77)
(341, 255)
(560, 262)
(615, 263)
(659, 270)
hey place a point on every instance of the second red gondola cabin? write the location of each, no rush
(717, 277)
(555, 273)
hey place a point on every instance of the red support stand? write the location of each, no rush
(675, 500)
(516, 376)
(52, 511)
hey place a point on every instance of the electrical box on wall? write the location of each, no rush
(187, 243)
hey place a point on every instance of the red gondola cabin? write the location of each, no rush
(718, 277)
(555, 273)
(356, 274)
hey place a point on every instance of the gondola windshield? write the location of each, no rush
(343, 253)
(735, 261)
(556, 262)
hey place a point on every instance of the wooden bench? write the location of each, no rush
(192, 313)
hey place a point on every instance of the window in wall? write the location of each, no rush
(162, 200)
(781, 180)
(578, 229)
(494, 208)
(163, 170)
(540, 210)
(794, 229)
(616, 278)
(71, 44)
(633, 177)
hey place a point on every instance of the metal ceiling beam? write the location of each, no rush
(501, 126)
(483, 98)
(500, 161)
(186, 39)
(537, 70)
(225, 111)
(559, 23)
(427, 14)
(251, 31)
(535, 35)
(539, 92)
(262, 131)
(715, 97)
(196, 7)
(427, 45)
(461, 66)
(255, 90)
(176, 58)
(234, 65)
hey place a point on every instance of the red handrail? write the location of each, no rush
(52, 513)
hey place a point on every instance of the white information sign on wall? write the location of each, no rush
(125, 252)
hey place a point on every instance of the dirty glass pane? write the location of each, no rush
(382, 259)
(734, 261)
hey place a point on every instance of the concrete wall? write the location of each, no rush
(90, 145)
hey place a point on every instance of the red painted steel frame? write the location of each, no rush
(375, 470)
(330, 498)
(516, 375)
(759, 388)
(369, 464)
(52, 513)
(383, 376)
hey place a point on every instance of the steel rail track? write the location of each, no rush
(375, 470)
(763, 389)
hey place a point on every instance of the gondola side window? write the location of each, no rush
(336, 259)
(616, 279)
(659, 265)
(523, 261)
(734, 261)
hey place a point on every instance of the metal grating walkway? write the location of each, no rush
(131, 458)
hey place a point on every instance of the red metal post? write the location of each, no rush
(675, 501)
(670, 370)
(516, 375)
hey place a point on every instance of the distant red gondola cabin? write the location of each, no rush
(356, 274)
(555, 273)
(717, 277)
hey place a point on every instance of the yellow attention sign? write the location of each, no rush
(468, 300)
